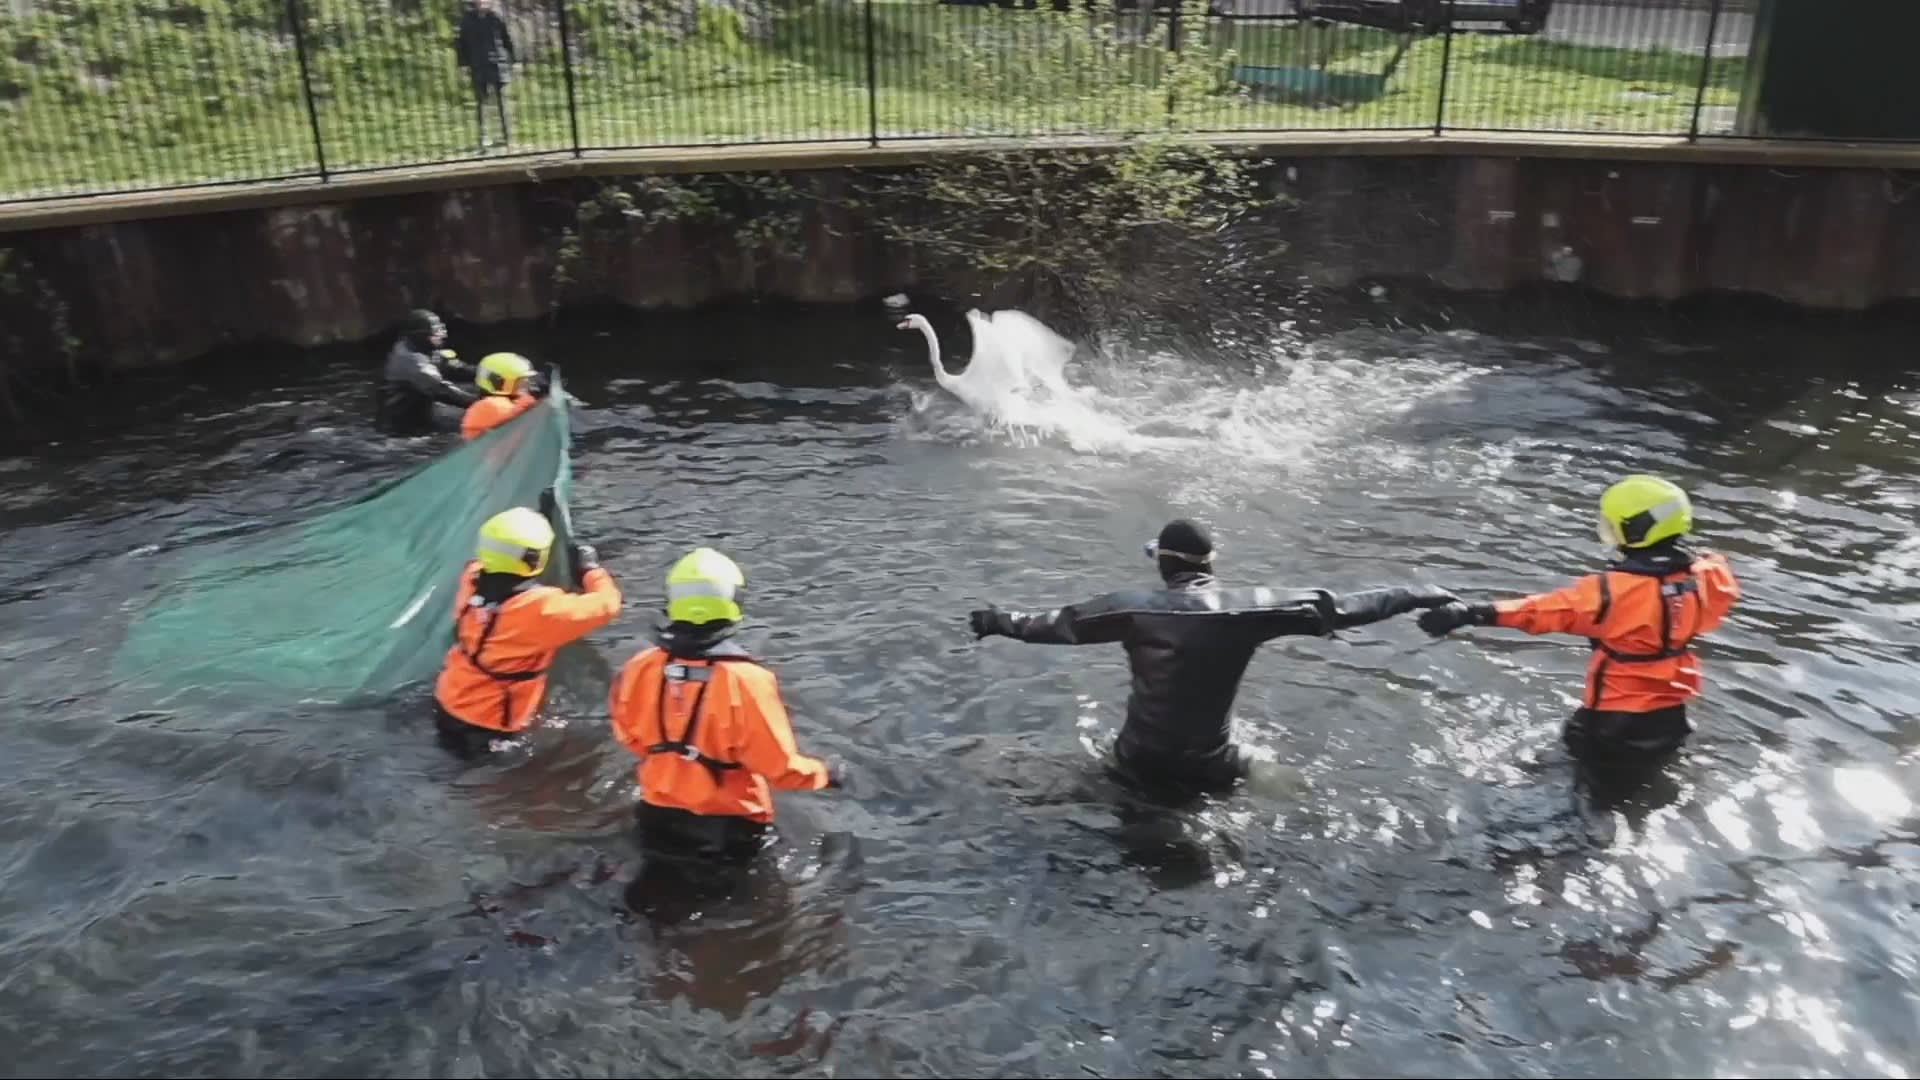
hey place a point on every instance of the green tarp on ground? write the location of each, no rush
(352, 602)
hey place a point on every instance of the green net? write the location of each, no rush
(356, 601)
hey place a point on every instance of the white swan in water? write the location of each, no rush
(969, 386)
(940, 373)
(1015, 379)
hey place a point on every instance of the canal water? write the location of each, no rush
(295, 892)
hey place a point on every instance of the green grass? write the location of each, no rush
(102, 95)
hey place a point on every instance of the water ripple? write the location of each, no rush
(195, 891)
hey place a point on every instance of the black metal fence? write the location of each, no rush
(101, 96)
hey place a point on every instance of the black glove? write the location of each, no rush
(540, 385)
(989, 621)
(584, 559)
(1438, 621)
(549, 506)
(838, 774)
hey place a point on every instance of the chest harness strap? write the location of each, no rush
(683, 746)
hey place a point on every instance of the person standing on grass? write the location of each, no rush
(485, 49)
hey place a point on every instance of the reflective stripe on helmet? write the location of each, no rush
(1641, 510)
(515, 541)
(703, 587)
(502, 373)
(702, 601)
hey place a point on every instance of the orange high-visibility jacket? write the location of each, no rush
(491, 411)
(496, 671)
(1642, 626)
(712, 733)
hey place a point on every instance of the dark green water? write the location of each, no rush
(292, 893)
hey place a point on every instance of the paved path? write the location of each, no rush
(1680, 26)
(1621, 27)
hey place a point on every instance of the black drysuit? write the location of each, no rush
(414, 380)
(1188, 644)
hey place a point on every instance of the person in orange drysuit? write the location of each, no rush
(507, 626)
(708, 723)
(509, 387)
(1642, 615)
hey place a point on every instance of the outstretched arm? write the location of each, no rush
(1578, 609)
(1094, 622)
(1376, 605)
(428, 375)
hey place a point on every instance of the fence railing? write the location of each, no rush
(101, 96)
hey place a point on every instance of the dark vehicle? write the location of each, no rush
(1519, 16)
(1214, 7)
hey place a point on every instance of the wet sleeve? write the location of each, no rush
(425, 376)
(1309, 615)
(767, 745)
(1719, 590)
(1376, 605)
(1574, 609)
(1095, 622)
(568, 616)
(521, 403)
(620, 708)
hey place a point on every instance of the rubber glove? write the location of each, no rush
(584, 559)
(1440, 620)
(989, 621)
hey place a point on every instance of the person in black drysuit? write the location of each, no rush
(415, 381)
(484, 47)
(1188, 644)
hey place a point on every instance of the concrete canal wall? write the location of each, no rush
(158, 278)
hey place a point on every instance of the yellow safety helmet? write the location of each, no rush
(503, 372)
(1640, 511)
(703, 587)
(515, 541)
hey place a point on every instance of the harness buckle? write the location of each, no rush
(687, 673)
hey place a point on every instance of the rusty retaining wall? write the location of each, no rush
(156, 290)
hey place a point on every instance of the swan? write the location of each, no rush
(971, 387)
(947, 380)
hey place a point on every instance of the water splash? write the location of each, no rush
(1016, 386)
(1286, 409)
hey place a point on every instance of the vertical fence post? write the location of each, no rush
(873, 81)
(1446, 71)
(1706, 71)
(296, 14)
(1173, 48)
(566, 64)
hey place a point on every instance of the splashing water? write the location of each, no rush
(1016, 384)
(1285, 411)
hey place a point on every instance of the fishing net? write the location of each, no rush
(355, 601)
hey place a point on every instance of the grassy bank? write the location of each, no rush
(112, 94)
